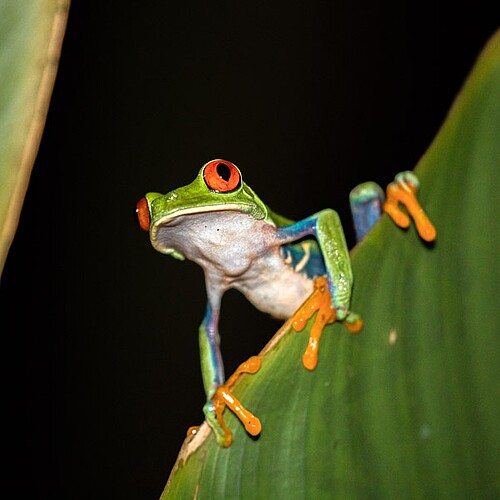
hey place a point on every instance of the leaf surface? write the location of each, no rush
(31, 33)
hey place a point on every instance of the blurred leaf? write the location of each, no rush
(31, 33)
(410, 407)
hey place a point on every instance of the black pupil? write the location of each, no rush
(223, 171)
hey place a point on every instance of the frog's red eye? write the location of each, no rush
(142, 214)
(221, 176)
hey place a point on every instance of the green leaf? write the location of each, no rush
(409, 408)
(31, 33)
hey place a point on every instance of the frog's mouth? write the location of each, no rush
(172, 216)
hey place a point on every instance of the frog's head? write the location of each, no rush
(219, 186)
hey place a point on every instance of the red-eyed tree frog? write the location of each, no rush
(220, 223)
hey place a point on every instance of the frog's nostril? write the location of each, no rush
(142, 214)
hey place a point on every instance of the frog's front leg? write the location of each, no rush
(332, 295)
(326, 227)
(219, 393)
(212, 367)
(318, 302)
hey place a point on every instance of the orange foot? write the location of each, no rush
(223, 397)
(403, 191)
(320, 301)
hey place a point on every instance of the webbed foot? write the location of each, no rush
(223, 397)
(320, 301)
(403, 191)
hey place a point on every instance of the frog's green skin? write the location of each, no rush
(240, 243)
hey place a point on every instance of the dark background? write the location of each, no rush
(307, 98)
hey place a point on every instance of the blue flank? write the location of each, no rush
(294, 253)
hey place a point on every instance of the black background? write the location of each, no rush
(307, 98)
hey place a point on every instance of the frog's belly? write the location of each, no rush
(277, 291)
(238, 251)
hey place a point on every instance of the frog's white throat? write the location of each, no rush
(197, 222)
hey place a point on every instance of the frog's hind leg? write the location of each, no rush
(403, 192)
(366, 202)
